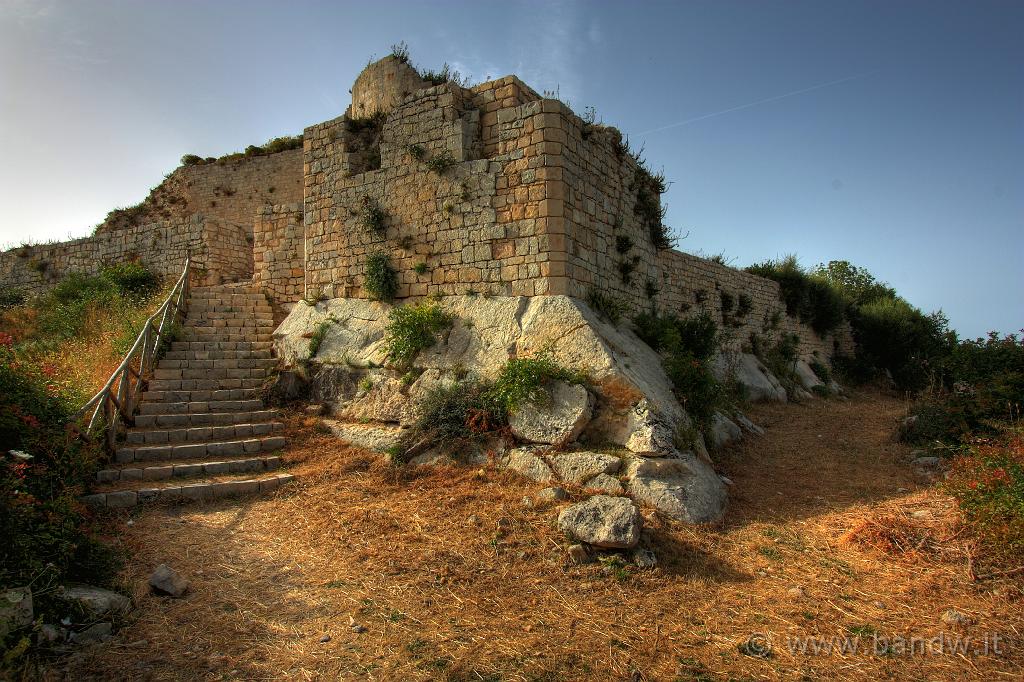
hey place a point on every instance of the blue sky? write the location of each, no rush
(890, 134)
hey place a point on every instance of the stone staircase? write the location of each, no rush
(202, 431)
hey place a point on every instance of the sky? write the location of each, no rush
(889, 134)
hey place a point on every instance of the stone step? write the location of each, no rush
(202, 384)
(155, 453)
(217, 399)
(195, 491)
(238, 465)
(209, 373)
(234, 324)
(227, 312)
(213, 336)
(165, 420)
(228, 300)
(200, 434)
(221, 345)
(235, 363)
(218, 355)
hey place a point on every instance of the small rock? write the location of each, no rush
(954, 617)
(358, 629)
(578, 554)
(644, 558)
(552, 494)
(100, 632)
(95, 600)
(51, 634)
(878, 604)
(166, 581)
(523, 461)
(325, 639)
(921, 514)
(316, 410)
(722, 431)
(926, 462)
(603, 521)
(473, 519)
(726, 480)
(796, 592)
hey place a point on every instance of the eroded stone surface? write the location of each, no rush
(560, 418)
(683, 487)
(577, 467)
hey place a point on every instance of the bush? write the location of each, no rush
(132, 279)
(686, 345)
(987, 481)
(372, 217)
(11, 298)
(381, 279)
(698, 390)
(808, 297)
(891, 334)
(696, 336)
(191, 160)
(522, 381)
(412, 328)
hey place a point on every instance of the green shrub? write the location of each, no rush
(522, 380)
(131, 279)
(372, 217)
(11, 298)
(191, 160)
(381, 279)
(893, 335)
(450, 413)
(439, 164)
(412, 328)
(317, 339)
(810, 298)
(416, 151)
(696, 336)
(647, 207)
(821, 371)
(698, 390)
(780, 358)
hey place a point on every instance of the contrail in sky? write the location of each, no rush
(760, 101)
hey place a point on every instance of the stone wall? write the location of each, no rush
(230, 189)
(279, 253)
(741, 303)
(220, 252)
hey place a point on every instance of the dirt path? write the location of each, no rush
(454, 578)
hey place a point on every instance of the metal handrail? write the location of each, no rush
(115, 403)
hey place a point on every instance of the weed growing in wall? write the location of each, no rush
(522, 380)
(412, 328)
(319, 334)
(441, 163)
(416, 151)
(420, 268)
(606, 305)
(381, 280)
(372, 217)
(400, 51)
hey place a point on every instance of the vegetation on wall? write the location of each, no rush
(808, 296)
(372, 217)
(273, 146)
(471, 409)
(686, 346)
(381, 280)
(412, 328)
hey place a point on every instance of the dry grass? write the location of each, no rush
(455, 578)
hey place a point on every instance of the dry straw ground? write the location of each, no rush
(454, 578)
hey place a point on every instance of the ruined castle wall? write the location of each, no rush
(691, 284)
(279, 253)
(220, 252)
(382, 86)
(472, 227)
(229, 189)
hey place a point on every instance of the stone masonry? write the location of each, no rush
(490, 190)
